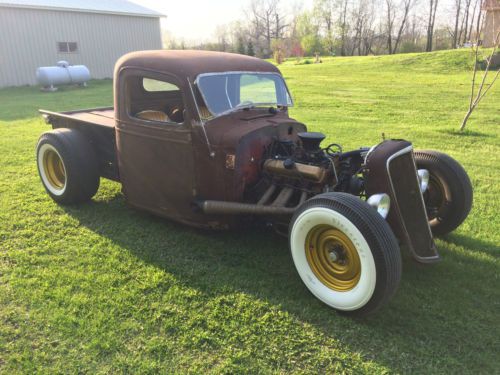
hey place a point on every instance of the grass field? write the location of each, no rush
(102, 288)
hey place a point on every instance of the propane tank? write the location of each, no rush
(62, 74)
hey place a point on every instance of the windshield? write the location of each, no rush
(226, 92)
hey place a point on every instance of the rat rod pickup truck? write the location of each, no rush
(204, 138)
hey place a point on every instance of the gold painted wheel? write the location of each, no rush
(53, 167)
(333, 257)
(345, 253)
(68, 165)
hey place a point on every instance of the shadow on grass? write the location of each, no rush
(472, 244)
(465, 133)
(441, 318)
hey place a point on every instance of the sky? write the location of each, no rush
(196, 20)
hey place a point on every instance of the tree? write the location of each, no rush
(292, 37)
(221, 33)
(240, 46)
(368, 34)
(458, 10)
(393, 10)
(297, 50)
(390, 23)
(466, 20)
(362, 19)
(250, 50)
(473, 18)
(267, 21)
(324, 11)
(348, 27)
(278, 50)
(344, 27)
(430, 24)
(406, 6)
(308, 33)
(469, 22)
(311, 44)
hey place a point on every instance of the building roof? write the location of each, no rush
(491, 5)
(86, 6)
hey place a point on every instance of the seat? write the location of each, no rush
(204, 113)
(152, 115)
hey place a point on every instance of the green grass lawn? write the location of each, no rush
(102, 288)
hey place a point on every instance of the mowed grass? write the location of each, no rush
(102, 288)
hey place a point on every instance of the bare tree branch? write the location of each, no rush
(474, 101)
(491, 84)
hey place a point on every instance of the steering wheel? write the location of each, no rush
(333, 149)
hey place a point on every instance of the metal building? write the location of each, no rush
(492, 22)
(94, 33)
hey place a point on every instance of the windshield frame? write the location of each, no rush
(235, 108)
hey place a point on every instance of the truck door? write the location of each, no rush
(154, 145)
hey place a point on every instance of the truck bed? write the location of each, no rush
(104, 116)
(98, 125)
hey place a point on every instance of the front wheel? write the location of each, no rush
(448, 198)
(345, 253)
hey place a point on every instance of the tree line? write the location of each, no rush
(347, 28)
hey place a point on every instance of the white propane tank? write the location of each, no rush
(62, 74)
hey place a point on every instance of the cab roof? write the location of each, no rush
(191, 63)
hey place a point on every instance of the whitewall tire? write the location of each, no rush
(68, 165)
(345, 253)
(52, 169)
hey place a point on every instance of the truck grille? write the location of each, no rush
(410, 207)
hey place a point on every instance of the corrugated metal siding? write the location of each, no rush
(491, 27)
(28, 40)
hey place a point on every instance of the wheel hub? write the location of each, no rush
(435, 198)
(333, 258)
(54, 169)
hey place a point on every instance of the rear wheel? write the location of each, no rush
(345, 253)
(448, 198)
(67, 166)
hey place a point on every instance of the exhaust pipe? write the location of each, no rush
(234, 208)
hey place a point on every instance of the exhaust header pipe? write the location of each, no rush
(276, 207)
(296, 170)
(233, 208)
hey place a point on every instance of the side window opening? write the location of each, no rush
(153, 85)
(157, 101)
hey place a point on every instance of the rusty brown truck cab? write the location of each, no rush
(204, 138)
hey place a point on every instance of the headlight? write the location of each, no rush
(381, 202)
(423, 179)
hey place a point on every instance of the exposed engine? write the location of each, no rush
(292, 172)
(314, 169)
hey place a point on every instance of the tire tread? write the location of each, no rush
(460, 187)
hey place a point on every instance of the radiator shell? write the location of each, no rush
(391, 169)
